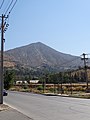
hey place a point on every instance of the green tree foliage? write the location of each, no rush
(63, 77)
(54, 78)
(8, 79)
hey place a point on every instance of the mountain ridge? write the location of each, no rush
(38, 55)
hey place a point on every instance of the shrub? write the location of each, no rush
(40, 87)
(25, 87)
(51, 89)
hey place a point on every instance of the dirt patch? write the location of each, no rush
(4, 107)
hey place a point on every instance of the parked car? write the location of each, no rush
(5, 93)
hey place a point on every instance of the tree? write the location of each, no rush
(76, 77)
(8, 79)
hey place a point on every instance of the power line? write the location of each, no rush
(9, 7)
(12, 7)
(6, 4)
(6, 24)
(2, 4)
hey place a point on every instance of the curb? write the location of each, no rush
(52, 94)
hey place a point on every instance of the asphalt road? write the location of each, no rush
(40, 107)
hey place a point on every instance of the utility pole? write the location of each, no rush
(1, 71)
(85, 68)
(62, 83)
(70, 77)
(3, 29)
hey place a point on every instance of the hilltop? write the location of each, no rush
(38, 55)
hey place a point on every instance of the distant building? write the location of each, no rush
(25, 82)
(20, 82)
(34, 81)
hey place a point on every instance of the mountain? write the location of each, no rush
(38, 55)
(7, 60)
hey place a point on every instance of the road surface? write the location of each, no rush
(40, 107)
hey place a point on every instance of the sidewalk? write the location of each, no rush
(7, 113)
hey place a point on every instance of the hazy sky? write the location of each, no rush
(61, 24)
